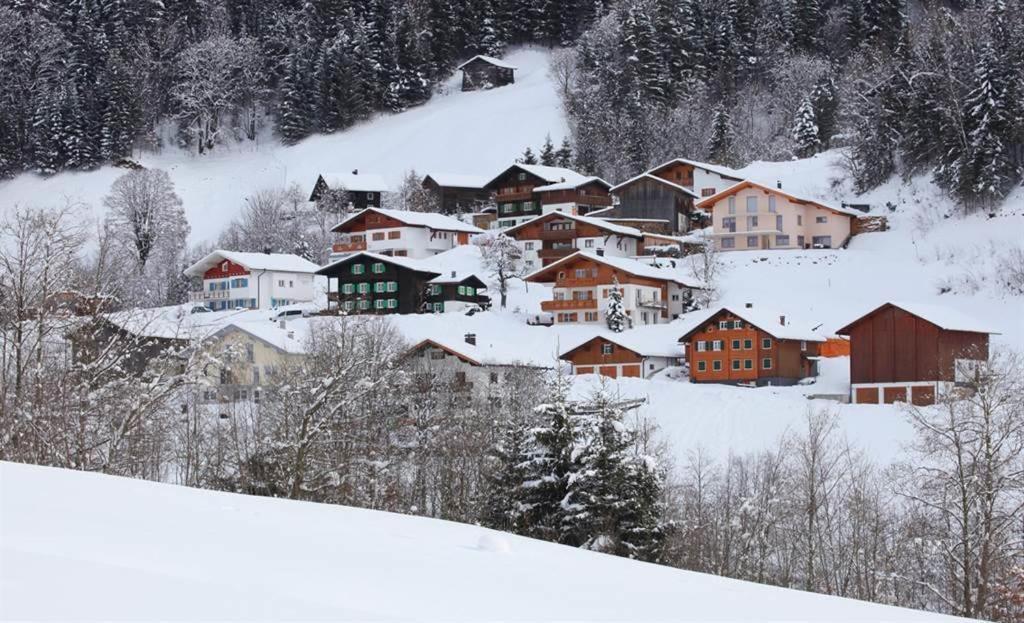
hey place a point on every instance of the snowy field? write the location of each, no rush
(477, 133)
(79, 546)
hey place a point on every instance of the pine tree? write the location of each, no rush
(805, 130)
(528, 157)
(806, 19)
(506, 471)
(720, 145)
(563, 157)
(297, 114)
(615, 312)
(548, 156)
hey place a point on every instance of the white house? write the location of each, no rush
(553, 236)
(468, 366)
(252, 280)
(400, 233)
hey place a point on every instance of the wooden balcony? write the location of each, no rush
(503, 196)
(199, 296)
(557, 234)
(568, 304)
(349, 247)
(584, 282)
(552, 254)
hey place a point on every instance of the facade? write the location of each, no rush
(909, 352)
(234, 280)
(138, 336)
(751, 347)
(751, 216)
(465, 367)
(400, 233)
(583, 282)
(623, 355)
(551, 237)
(361, 191)
(370, 283)
(457, 194)
(525, 191)
(247, 357)
(486, 72)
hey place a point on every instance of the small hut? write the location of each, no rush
(486, 72)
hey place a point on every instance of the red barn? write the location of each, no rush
(911, 352)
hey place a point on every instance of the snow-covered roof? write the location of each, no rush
(711, 168)
(665, 270)
(657, 179)
(457, 180)
(570, 184)
(768, 320)
(600, 223)
(940, 316)
(648, 341)
(405, 262)
(268, 332)
(432, 220)
(735, 188)
(551, 175)
(358, 182)
(485, 353)
(278, 262)
(497, 62)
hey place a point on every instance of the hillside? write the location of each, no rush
(85, 546)
(473, 133)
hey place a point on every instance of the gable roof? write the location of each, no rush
(765, 319)
(404, 262)
(942, 317)
(551, 175)
(357, 182)
(432, 220)
(708, 202)
(457, 180)
(711, 168)
(497, 62)
(646, 341)
(270, 333)
(481, 353)
(626, 265)
(651, 177)
(571, 184)
(281, 262)
(600, 223)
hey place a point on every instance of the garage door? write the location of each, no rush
(894, 394)
(631, 370)
(867, 395)
(584, 369)
(922, 396)
(610, 371)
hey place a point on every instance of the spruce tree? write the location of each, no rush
(615, 312)
(528, 157)
(805, 130)
(547, 153)
(506, 471)
(720, 145)
(563, 157)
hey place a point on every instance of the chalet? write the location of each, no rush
(750, 346)
(552, 236)
(486, 72)
(583, 283)
(525, 191)
(669, 193)
(457, 194)
(469, 365)
(134, 338)
(252, 280)
(368, 282)
(912, 352)
(639, 353)
(400, 233)
(348, 191)
(749, 215)
(247, 357)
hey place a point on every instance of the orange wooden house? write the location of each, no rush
(750, 346)
(638, 353)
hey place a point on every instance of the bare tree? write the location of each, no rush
(503, 258)
(706, 264)
(146, 212)
(414, 197)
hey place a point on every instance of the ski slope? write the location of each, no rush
(80, 546)
(475, 133)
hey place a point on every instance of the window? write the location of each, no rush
(803, 346)
(528, 206)
(291, 284)
(717, 345)
(732, 204)
(766, 342)
(799, 219)
(751, 242)
(607, 349)
(392, 303)
(766, 363)
(735, 364)
(589, 244)
(781, 240)
(250, 354)
(737, 324)
(437, 354)
(461, 290)
(729, 224)
(494, 377)
(771, 203)
(371, 196)
(378, 235)
(748, 344)
(364, 288)
(728, 242)
(438, 307)
(800, 241)
(751, 223)
(435, 290)
(735, 344)
(358, 269)
(507, 208)
(821, 219)
(751, 205)
(707, 192)
(256, 376)
(378, 267)
(350, 305)
(723, 324)
(716, 365)
(380, 286)
(280, 283)
(778, 222)
(348, 288)
(379, 304)
(702, 346)
(392, 286)
(394, 235)
(528, 246)
(521, 177)
(748, 364)
(702, 366)
(590, 316)
(821, 242)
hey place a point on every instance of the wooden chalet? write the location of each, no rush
(638, 353)
(457, 194)
(525, 191)
(400, 233)
(550, 237)
(911, 352)
(750, 346)
(361, 191)
(486, 72)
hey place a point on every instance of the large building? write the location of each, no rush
(525, 191)
(400, 233)
(349, 191)
(252, 280)
(248, 356)
(748, 345)
(475, 364)
(550, 237)
(912, 352)
(583, 283)
(749, 215)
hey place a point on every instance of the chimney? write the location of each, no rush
(778, 184)
(471, 338)
(283, 324)
(782, 320)
(356, 172)
(453, 274)
(749, 305)
(600, 252)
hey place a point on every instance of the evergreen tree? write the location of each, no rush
(297, 112)
(720, 145)
(615, 312)
(805, 130)
(528, 157)
(563, 157)
(548, 157)
(806, 19)
(506, 472)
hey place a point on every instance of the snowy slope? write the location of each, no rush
(475, 133)
(77, 546)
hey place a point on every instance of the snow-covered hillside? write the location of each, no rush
(78, 546)
(472, 133)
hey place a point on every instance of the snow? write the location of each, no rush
(660, 340)
(768, 320)
(665, 270)
(497, 62)
(279, 262)
(600, 223)
(457, 180)
(713, 168)
(571, 184)
(712, 200)
(87, 546)
(356, 182)
(437, 222)
(942, 317)
(552, 175)
(655, 178)
(454, 131)
(283, 339)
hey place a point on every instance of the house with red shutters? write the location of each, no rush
(231, 280)
(913, 352)
(400, 233)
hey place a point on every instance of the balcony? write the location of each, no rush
(552, 254)
(557, 234)
(652, 303)
(349, 246)
(568, 304)
(579, 282)
(208, 295)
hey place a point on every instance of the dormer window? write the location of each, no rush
(224, 266)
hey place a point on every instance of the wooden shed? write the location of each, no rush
(486, 72)
(911, 352)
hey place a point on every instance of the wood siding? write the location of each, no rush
(479, 74)
(648, 199)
